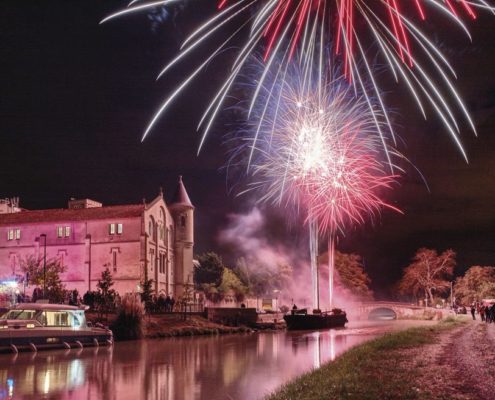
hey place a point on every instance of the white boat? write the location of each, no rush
(36, 326)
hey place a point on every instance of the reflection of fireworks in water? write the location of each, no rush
(315, 148)
(286, 26)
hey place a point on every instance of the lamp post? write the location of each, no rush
(44, 264)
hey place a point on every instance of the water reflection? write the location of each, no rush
(222, 367)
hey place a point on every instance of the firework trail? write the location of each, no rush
(314, 148)
(284, 27)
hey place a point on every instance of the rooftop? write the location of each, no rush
(181, 197)
(63, 214)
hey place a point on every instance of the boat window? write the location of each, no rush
(19, 314)
(57, 318)
(79, 319)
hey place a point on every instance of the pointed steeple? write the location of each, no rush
(181, 197)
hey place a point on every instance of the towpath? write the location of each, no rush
(460, 366)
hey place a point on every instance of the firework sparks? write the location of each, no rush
(314, 148)
(284, 27)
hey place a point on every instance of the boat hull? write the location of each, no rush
(315, 321)
(47, 338)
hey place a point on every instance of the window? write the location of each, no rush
(150, 229)
(57, 318)
(67, 231)
(61, 256)
(120, 229)
(152, 258)
(13, 262)
(20, 314)
(60, 231)
(114, 261)
(183, 220)
(162, 263)
(13, 234)
(111, 229)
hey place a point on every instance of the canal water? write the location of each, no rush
(247, 366)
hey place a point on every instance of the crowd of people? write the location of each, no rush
(485, 311)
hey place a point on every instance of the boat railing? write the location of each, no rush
(299, 311)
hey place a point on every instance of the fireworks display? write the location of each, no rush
(282, 27)
(322, 144)
(314, 148)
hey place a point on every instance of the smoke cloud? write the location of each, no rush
(251, 235)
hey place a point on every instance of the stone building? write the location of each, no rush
(137, 241)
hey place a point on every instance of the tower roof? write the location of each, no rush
(181, 197)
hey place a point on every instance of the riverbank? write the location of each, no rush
(172, 325)
(175, 325)
(411, 364)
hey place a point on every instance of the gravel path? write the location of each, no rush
(461, 365)
(473, 357)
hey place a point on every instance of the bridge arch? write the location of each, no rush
(382, 313)
(401, 310)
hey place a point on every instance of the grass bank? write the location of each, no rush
(171, 325)
(378, 369)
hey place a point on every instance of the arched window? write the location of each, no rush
(152, 229)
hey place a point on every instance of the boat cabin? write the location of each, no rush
(44, 315)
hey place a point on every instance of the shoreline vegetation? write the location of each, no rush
(171, 325)
(382, 368)
(157, 326)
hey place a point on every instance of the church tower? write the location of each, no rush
(183, 214)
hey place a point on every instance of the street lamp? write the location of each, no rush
(44, 264)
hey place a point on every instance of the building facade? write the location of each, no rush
(135, 242)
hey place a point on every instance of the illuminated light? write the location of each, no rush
(46, 383)
(30, 326)
(10, 385)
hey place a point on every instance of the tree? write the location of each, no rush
(34, 268)
(428, 272)
(209, 270)
(262, 280)
(186, 298)
(147, 294)
(231, 282)
(105, 299)
(351, 275)
(477, 283)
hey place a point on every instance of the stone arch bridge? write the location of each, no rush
(396, 310)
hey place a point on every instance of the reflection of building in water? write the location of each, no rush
(239, 366)
(50, 376)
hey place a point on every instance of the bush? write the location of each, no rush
(89, 299)
(129, 322)
(284, 309)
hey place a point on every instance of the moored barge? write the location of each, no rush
(301, 320)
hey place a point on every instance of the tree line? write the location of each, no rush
(431, 276)
(255, 278)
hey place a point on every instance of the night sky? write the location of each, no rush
(76, 97)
